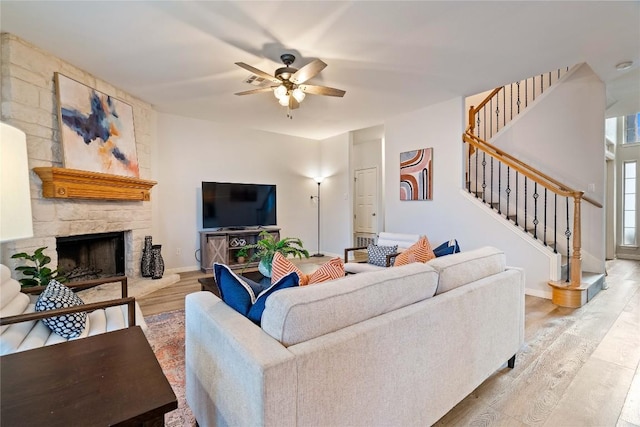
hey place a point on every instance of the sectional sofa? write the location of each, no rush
(401, 346)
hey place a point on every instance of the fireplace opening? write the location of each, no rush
(91, 256)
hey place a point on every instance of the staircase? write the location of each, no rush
(545, 209)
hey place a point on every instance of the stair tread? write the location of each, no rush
(588, 279)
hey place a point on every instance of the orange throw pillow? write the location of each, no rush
(281, 266)
(419, 252)
(330, 270)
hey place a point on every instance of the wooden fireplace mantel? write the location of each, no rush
(63, 183)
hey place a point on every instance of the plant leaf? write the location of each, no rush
(20, 255)
(27, 283)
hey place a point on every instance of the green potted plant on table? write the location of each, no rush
(266, 247)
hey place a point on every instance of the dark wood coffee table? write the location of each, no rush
(108, 379)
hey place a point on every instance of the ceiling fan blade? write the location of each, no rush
(293, 103)
(322, 90)
(258, 73)
(308, 71)
(252, 91)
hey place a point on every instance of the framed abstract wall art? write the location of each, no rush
(416, 175)
(97, 130)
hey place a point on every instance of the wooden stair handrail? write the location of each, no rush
(525, 169)
(519, 166)
(473, 110)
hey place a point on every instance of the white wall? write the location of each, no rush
(452, 213)
(336, 194)
(189, 151)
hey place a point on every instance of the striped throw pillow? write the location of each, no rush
(332, 269)
(281, 266)
(419, 252)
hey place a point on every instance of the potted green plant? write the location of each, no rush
(266, 247)
(37, 274)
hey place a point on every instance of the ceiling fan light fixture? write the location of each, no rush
(284, 101)
(298, 94)
(280, 91)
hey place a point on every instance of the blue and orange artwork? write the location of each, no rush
(415, 175)
(97, 130)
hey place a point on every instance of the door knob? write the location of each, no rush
(373, 214)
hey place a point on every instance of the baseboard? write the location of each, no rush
(183, 269)
(538, 293)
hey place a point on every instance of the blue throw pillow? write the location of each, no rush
(57, 295)
(447, 248)
(288, 281)
(238, 293)
(233, 290)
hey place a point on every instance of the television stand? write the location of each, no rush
(222, 246)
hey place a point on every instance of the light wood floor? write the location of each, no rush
(577, 367)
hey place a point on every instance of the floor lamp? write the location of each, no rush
(15, 209)
(318, 180)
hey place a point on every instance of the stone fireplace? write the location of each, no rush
(91, 256)
(29, 103)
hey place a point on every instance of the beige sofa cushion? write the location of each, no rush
(299, 314)
(361, 267)
(464, 267)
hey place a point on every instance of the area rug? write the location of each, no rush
(166, 336)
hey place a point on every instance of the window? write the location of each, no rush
(629, 233)
(631, 133)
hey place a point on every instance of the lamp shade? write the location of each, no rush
(15, 196)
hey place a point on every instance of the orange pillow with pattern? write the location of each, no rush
(330, 270)
(420, 251)
(281, 266)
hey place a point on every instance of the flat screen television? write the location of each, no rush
(234, 205)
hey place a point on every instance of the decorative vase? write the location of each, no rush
(157, 263)
(264, 267)
(145, 263)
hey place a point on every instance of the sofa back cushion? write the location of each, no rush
(296, 315)
(465, 267)
(402, 240)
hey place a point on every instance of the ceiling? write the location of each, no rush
(391, 57)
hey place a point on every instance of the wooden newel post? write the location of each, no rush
(472, 115)
(576, 257)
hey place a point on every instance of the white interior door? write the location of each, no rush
(366, 200)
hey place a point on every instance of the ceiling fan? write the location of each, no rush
(289, 83)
